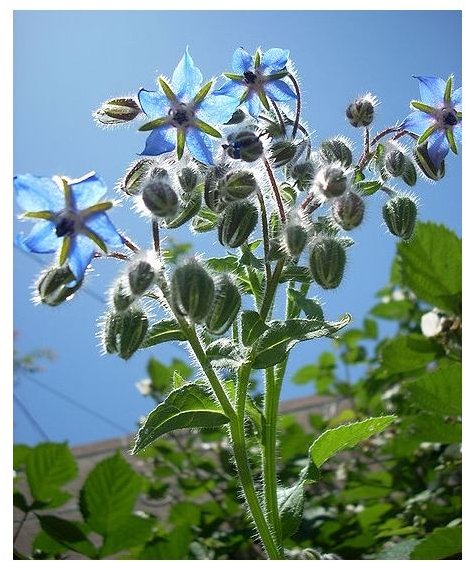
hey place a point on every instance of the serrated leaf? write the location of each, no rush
(68, 534)
(134, 532)
(290, 508)
(190, 406)
(228, 264)
(252, 327)
(165, 330)
(432, 428)
(224, 351)
(109, 494)
(48, 467)
(310, 307)
(271, 348)
(443, 542)
(408, 353)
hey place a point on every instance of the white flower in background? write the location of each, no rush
(431, 323)
(144, 386)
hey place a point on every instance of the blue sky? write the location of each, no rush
(67, 63)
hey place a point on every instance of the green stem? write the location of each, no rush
(298, 105)
(265, 234)
(276, 191)
(270, 290)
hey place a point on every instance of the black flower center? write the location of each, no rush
(181, 115)
(449, 117)
(65, 226)
(249, 77)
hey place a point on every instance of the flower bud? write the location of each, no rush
(399, 214)
(188, 179)
(141, 277)
(348, 210)
(331, 180)
(409, 173)
(238, 117)
(52, 286)
(336, 150)
(237, 222)
(160, 198)
(117, 111)
(360, 112)
(394, 162)
(192, 291)
(125, 331)
(225, 307)
(244, 145)
(282, 152)
(238, 185)
(295, 236)
(212, 194)
(424, 162)
(121, 295)
(136, 177)
(276, 250)
(303, 174)
(327, 262)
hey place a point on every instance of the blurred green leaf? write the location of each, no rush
(407, 353)
(440, 544)
(163, 331)
(290, 508)
(135, 531)
(67, 533)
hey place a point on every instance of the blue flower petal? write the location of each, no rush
(278, 90)
(242, 61)
(437, 147)
(458, 133)
(217, 109)
(101, 225)
(432, 90)
(274, 60)
(186, 79)
(35, 193)
(456, 99)
(417, 122)
(200, 145)
(154, 104)
(41, 240)
(253, 105)
(161, 140)
(87, 191)
(82, 251)
(232, 88)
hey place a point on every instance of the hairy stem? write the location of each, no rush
(276, 190)
(265, 235)
(279, 117)
(298, 105)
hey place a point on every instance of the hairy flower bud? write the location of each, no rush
(424, 162)
(295, 236)
(141, 277)
(282, 152)
(336, 150)
(399, 214)
(121, 295)
(52, 288)
(303, 174)
(212, 195)
(331, 180)
(327, 262)
(225, 307)
(117, 111)
(238, 221)
(160, 198)
(348, 210)
(409, 174)
(188, 179)
(192, 291)
(394, 162)
(124, 332)
(238, 185)
(244, 145)
(360, 112)
(136, 176)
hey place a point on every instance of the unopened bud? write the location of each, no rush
(136, 177)
(336, 150)
(212, 196)
(125, 331)
(121, 295)
(52, 286)
(295, 236)
(188, 179)
(276, 250)
(238, 117)
(348, 210)
(238, 221)
(395, 162)
(303, 174)
(282, 152)
(360, 112)
(244, 145)
(225, 307)
(331, 180)
(192, 291)
(409, 174)
(160, 198)
(327, 262)
(424, 162)
(117, 111)
(399, 214)
(238, 185)
(141, 277)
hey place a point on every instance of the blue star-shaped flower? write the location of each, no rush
(437, 117)
(253, 81)
(179, 113)
(72, 218)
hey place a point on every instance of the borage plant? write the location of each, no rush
(237, 158)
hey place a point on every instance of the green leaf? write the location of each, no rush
(225, 352)
(20, 455)
(393, 310)
(206, 128)
(297, 273)
(371, 330)
(408, 353)
(290, 508)
(252, 327)
(431, 429)
(189, 209)
(443, 542)
(48, 467)
(44, 542)
(438, 391)
(190, 406)
(368, 187)
(398, 551)
(109, 494)
(67, 533)
(310, 307)
(20, 501)
(160, 375)
(150, 125)
(202, 93)
(228, 264)
(335, 440)
(135, 531)
(205, 220)
(173, 546)
(165, 330)
(271, 348)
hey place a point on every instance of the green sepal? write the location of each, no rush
(448, 88)
(180, 142)
(244, 96)
(423, 107)
(426, 134)
(95, 238)
(98, 208)
(276, 76)
(65, 250)
(257, 59)
(150, 125)
(46, 215)
(67, 192)
(264, 100)
(208, 129)
(233, 76)
(167, 90)
(202, 93)
(451, 140)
